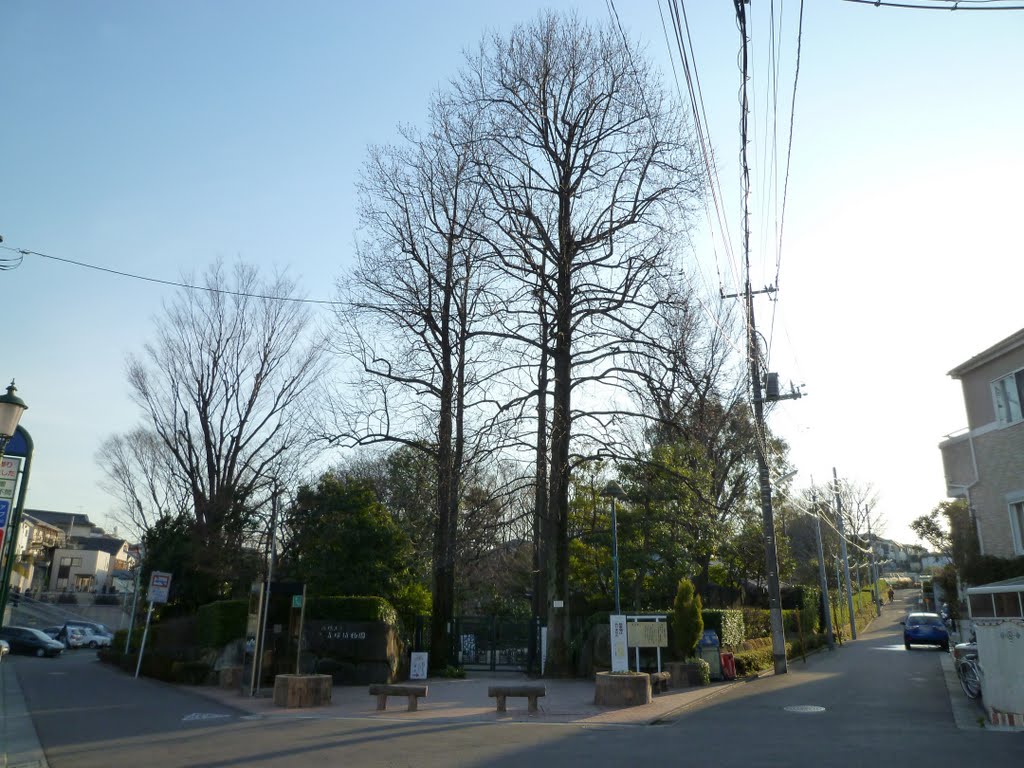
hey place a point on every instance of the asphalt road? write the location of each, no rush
(870, 702)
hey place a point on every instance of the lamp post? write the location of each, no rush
(11, 408)
(613, 491)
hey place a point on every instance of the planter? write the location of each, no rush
(302, 690)
(622, 690)
(683, 673)
(230, 677)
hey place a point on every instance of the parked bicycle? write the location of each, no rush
(968, 671)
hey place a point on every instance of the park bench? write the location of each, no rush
(531, 692)
(660, 681)
(413, 692)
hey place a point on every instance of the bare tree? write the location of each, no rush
(140, 472)
(222, 388)
(413, 306)
(590, 169)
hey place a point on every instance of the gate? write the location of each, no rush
(495, 644)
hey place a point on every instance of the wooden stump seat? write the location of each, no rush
(413, 692)
(531, 692)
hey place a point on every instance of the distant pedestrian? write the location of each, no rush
(891, 595)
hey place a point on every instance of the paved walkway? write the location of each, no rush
(566, 701)
(19, 744)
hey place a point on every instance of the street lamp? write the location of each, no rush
(11, 408)
(614, 491)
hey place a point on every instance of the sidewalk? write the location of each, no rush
(19, 744)
(567, 701)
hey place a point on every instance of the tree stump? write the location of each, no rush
(302, 690)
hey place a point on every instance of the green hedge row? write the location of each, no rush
(221, 622)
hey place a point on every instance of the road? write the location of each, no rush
(870, 702)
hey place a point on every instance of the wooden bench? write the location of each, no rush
(531, 692)
(413, 692)
(660, 681)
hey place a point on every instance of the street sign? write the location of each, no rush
(9, 468)
(296, 601)
(159, 586)
(5, 508)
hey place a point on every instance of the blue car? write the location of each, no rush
(925, 629)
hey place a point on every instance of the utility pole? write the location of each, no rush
(846, 560)
(821, 570)
(753, 354)
(874, 569)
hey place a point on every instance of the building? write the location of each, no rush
(984, 463)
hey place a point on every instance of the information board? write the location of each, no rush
(647, 634)
(620, 655)
(418, 665)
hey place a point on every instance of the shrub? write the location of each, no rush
(106, 600)
(687, 622)
(68, 598)
(221, 622)
(190, 672)
(703, 672)
(727, 624)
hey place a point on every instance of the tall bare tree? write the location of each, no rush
(222, 388)
(590, 169)
(412, 308)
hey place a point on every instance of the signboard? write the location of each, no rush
(647, 634)
(418, 665)
(159, 586)
(5, 509)
(9, 468)
(296, 601)
(620, 657)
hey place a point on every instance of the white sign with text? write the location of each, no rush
(620, 655)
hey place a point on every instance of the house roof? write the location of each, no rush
(36, 521)
(60, 518)
(1008, 344)
(99, 543)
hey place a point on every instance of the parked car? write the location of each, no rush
(72, 637)
(86, 637)
(30, 641)
(4, 648)
(92, 626)
(925, 629)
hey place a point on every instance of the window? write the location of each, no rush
(1017, 526)
(1006, 392)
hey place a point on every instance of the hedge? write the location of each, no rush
(728, 625)
(221, 622)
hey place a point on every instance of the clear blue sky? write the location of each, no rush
(156, 137)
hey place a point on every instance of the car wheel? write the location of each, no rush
(92, 643)
(945, 646)
(40, 652)
(906, 645)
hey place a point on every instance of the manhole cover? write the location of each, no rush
(804, 708)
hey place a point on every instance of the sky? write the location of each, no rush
(154, 138)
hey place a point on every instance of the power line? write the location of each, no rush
(172, 283)
(947, 5)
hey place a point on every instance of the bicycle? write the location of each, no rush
(968, 671)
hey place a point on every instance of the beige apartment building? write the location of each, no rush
(985, 462)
